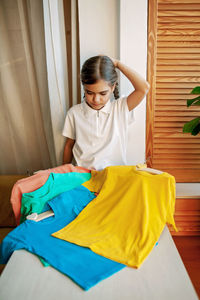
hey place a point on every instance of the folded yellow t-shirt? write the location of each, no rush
(126, 219)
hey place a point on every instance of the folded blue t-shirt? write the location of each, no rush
(83, 266)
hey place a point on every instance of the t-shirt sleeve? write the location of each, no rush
(13, 241)
(128, 116)
(69, 126)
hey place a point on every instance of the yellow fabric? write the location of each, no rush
(126, 219)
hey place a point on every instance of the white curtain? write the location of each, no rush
(34, 84)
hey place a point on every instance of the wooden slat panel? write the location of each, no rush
(178, 32)
(177, 156)
(175, 13)
(175, 96)
(179, 56)
(192, 216)
(179, 104)
(169, 136)
(166, 151)
(184, 91)
(176, 166)
(185, 62)
(178, 19)
(180, 6)
(178, 38)
(181, 175)
(190, 205)
(178, 68)
(178, 141)
(178, 113)
(162, 143)
(177, 163)
(178, 1)
(176, 73)
(182, 232)
(177, 26)
(176, 108)
(176, 146)
(181, 44)
(174, 119)
(176, 49)
(178, 79)
(169, 124)
(168, 132)
(174, 135)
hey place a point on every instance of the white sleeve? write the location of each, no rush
(128, 116)
(69, 126)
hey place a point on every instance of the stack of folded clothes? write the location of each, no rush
(103, 220)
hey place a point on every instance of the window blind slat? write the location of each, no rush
(176, 141)
(178, 19)
(181, 32)
(172, 62)
(179, 6)
(176, 107)
(178, 38)
(176, 85)
(178, 1)
(177, 113)
(176, 26)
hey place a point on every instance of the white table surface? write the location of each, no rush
(161, 276)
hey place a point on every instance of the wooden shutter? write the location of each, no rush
(173, 70)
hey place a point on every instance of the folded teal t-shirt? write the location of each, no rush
(56, 184)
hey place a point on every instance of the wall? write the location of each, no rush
(133, 52)
(98, 28)
(118, 28)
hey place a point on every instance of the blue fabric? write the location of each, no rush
(57, 183)
(83, 266)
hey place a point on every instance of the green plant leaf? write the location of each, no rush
(189, 126)
(193, 101)
(196, 130)
(197, 103)
(196, 90)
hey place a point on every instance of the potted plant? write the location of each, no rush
(193, 126)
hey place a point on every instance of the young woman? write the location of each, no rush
(96, 129)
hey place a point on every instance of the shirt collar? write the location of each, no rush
(90, 111)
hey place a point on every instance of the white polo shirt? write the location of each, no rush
(100, 135)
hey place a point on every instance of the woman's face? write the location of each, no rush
(98, 94)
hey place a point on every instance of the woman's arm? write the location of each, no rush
(140, 85)
(68, 155)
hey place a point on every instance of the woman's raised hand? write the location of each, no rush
(114, 60)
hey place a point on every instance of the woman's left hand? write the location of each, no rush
(115, 61)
